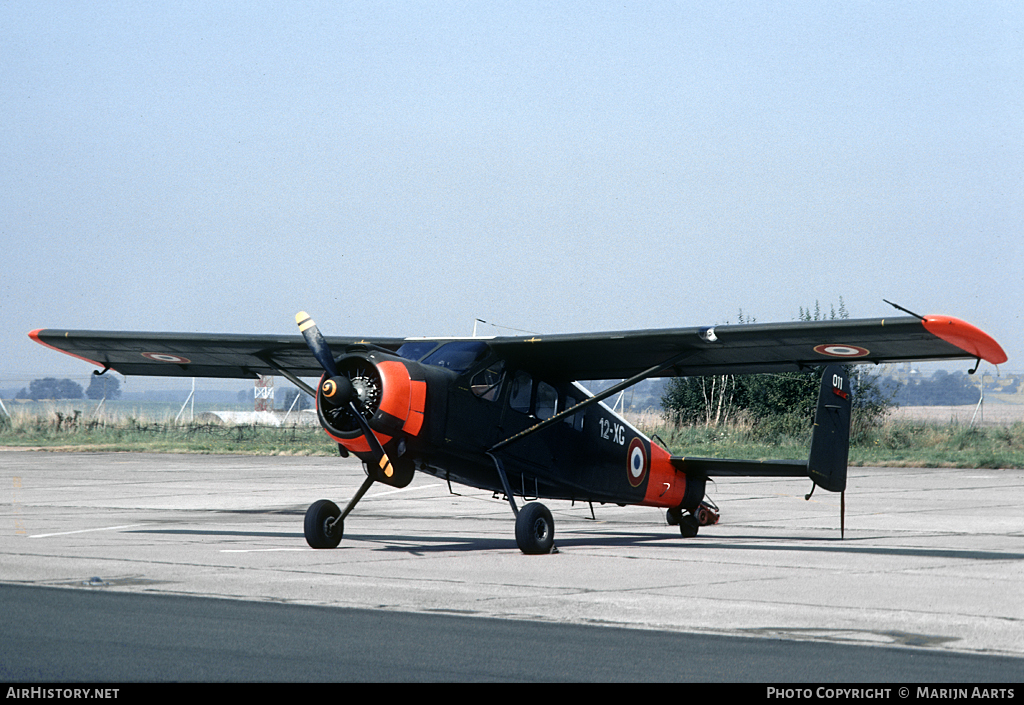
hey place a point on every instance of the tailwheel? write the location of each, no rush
(707, 514)
(535, 529)
(322, 527)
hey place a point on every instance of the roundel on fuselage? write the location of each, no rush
(636, 463)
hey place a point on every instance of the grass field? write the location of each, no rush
(153, 428)
(895, 443)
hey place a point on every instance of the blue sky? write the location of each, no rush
(403, 168)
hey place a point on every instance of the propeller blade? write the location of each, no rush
(379, 456)
(317, 345)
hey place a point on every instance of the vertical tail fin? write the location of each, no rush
(830, 439)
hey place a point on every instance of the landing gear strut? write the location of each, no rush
(535, 527)
(325, 522)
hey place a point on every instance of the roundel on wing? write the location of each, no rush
(636, 460)
(165, 357)
(833, 350)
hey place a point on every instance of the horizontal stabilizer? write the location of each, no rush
(724, 467)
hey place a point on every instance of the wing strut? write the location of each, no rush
(289, 376)
(615, 389)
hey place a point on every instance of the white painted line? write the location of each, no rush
(261, 550)
(84, 531)
(403, 489)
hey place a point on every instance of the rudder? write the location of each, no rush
(830, 438)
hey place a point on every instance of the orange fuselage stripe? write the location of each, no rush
(666, 485)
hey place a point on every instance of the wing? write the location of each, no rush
(197, 354)
(733, 349)
(746, 349)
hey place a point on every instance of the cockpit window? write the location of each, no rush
(547, 401)
(416, 349)
(486, 383)
(522, 391)
(574, 420)
(458, 356)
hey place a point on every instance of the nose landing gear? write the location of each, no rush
(323, 525)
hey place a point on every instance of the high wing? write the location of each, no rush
(751, 348)
(196, 354)
(704, 350)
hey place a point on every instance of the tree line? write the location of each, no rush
(772, 403)
(941, 389)
(100, 387)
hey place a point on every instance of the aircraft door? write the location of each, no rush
(475, 408)
(531, 401)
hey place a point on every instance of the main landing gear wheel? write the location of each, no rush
(688, 525)
(535, 529)
(318, 535)
(690, 522)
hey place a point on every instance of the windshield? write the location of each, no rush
(458, 356)
(415, 350)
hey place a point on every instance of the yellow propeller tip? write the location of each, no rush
(304, 321)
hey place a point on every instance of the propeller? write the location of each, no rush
(317, 345)
(338, 390)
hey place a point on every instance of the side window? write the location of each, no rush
(487, 383)
(574, 420)
(547, 399)
(522, 388)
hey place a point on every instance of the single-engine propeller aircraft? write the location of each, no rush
(508, 414)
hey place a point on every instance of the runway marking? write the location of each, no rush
(84, 531)
(403, 489)
(270, 550)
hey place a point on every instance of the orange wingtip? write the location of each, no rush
(966, 337)
(35, 336)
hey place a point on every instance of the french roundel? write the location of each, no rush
(165, 357)
(636, 459)
(834, 350)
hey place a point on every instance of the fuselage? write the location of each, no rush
(449, 404)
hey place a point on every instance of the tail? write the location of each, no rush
(830, 439)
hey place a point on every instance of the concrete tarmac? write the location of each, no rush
(932, 558)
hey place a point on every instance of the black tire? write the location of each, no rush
(672, 516)
(315, 527)
(688, 526)
(535, 529)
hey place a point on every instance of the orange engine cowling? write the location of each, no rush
(386, 394)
